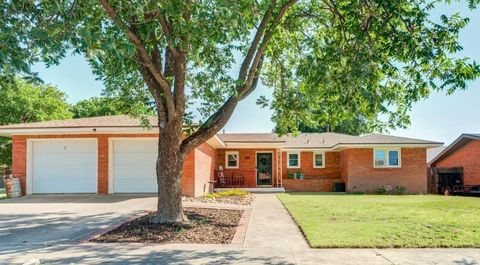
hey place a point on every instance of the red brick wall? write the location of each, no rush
(19, 161)
(316, 179)
(204, 168)
(247, 164)
(19, 150)
(467, 157)
(188, 177)
(362, 176)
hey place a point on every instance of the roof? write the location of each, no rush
(125, 123)
(460, 142)
(433, 152)
(97, 122)
(321, 140)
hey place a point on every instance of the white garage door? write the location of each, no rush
(64, 166)
(134, 163)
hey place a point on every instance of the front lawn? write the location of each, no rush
(382, 221)
(3, 195)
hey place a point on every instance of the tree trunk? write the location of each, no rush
(169, 175)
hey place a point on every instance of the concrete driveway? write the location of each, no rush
(33, 222)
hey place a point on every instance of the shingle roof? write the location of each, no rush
(461, 141)
(319, 140)
(99, 122)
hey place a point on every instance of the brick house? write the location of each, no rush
(457, 165)
(115, 154)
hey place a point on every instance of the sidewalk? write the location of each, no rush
(271, 226)
(272, 238)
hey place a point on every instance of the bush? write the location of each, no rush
(227, 193)
(381, 189)
(400, 190)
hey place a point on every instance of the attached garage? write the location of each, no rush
(63, 166)
(102, 155)
(134, 165)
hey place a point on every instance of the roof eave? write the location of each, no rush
(453, 147)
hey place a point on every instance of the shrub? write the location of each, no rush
(227, 193)
(381, 189)
(290, 175)
(400, 190)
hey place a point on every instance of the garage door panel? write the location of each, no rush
(134, 166)
(65, 166)
(139, 160)
(136, 146)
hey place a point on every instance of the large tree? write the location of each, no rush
(212, 53)
(22, 101)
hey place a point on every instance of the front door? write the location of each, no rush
(264, 168)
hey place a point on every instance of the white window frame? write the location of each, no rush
(387, 158)
(314, 160)
(288, 159)
(227, 153)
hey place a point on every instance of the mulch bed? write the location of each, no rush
(237, 200)
(205, 226)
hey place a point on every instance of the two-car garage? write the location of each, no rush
(71, 165)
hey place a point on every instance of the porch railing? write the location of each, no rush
(235, 178)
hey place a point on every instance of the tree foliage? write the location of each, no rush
(367, 57)
(22, 101)
(106, 106)
(362, 64)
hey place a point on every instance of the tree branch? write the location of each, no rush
(154, 70)
(255, 53)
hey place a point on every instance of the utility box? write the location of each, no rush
(339, 187)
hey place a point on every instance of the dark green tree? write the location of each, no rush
(183, 52)
(22, 101)
(106, 106)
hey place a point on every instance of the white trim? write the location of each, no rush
(256, 170)
(226, 159)
(386, 150)
(344, 146)
(318, 152)
(110, 166)
(89, 130)
(29, 158)
(216, 142)
(29, 167)
(288, 160)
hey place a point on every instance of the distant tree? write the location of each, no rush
(106, 106)
(22, 101)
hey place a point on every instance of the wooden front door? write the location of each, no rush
(264, 168)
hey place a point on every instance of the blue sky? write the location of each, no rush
(440, 117)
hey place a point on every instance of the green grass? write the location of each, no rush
(3, 195)
(227, 193)
(383, 221)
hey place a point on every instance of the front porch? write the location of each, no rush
(255, 190)
(248, 169)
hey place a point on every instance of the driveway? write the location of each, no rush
(33, 222)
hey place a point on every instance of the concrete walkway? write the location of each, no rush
(271, 226)
(272, 238)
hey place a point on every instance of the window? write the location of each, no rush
(231, 159)
(318, 159)
(387, 157)
(293, 159)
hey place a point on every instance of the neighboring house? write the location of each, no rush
(114, 154)
(457, 165)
